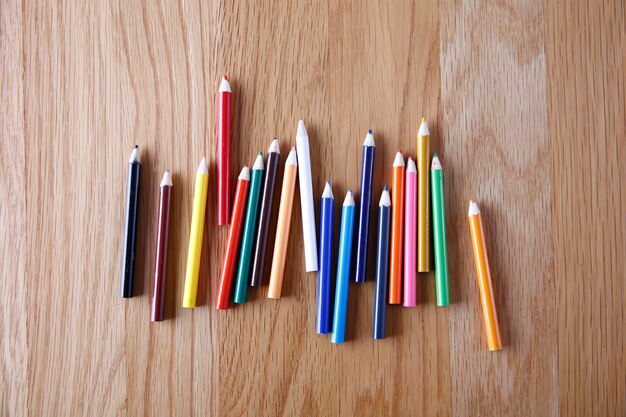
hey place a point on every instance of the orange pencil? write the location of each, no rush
(282, 227)
(234, 236)
(397, 227)
(484, 277)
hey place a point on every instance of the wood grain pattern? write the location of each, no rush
(526, 103)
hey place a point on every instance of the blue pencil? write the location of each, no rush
(326, 257)
(343, 270)
(365, 201)
(382, 266)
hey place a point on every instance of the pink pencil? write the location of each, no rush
(410, 234)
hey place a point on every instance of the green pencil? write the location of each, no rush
(439, 233)
(249, 229)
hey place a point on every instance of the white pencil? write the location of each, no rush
(306, 198)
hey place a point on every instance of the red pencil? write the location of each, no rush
(232, 247)
(224, 107)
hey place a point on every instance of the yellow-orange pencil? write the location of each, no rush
(423, 201)
(484, 277)
(282, 228)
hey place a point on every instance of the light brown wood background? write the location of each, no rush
(526, 103)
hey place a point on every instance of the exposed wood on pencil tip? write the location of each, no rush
(436, 164)
(245, 173)
(258, 163)
(274, 147)
(399, 160)
(328, 191)
(134, 155)
(349, 201)
(203, 168)
(385, 199)
(473, 208)
(291, 158)
(167, 179)
(225, 85)
(423, 131)
(369, 139)
(411, 165)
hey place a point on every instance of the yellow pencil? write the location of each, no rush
(282, 228)
(423, 202)
(195, 236)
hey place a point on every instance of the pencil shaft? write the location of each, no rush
(265, 213)
(282, 232)
(484, 283)
(232, 245)
(423, 203)
(397, 229)
(439, 238)
(247, 239)
(195, 240)
(382, 273)
(158, 286)
(365, 197)
(410, 237)
(343, 274)
(223, 156)
(130, 229)
(325, 266)
(306, 203)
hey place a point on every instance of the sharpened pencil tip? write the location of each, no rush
(301, 129)
(473, 208)
(423, 128)
(167, 179)
(274, 147)
(399, 160)
(244, 174)
(258, 163)
(349, 201)
(369, 139)
(225, 85)
(328, 191)
(292, 159)
(436, 164)
(385, 199)
(410, 166)
(134, 155)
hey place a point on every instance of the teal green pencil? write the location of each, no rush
(249, 231)
(439, 233)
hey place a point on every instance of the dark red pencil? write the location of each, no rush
(224, 130)
(158, 287)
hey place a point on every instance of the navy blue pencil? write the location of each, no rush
(325, 264)
(382, 266)
(365, 201)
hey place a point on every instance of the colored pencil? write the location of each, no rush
(439, 233)
(382, 266)
(484, 277)
(343, 269)
(249, 229)
(306, 198)
(234, 237)
(282, 227)
(423, 221)
(365, 201)
(410, 238)
(195, 235)
(224, 132)
(397, 227)
(265, 212)
(130, 223)
(160, 262)
(326, 257)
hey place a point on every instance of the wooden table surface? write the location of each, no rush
(527, 107)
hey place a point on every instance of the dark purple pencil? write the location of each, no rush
(273, 157)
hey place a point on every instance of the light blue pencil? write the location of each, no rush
(343, 269)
